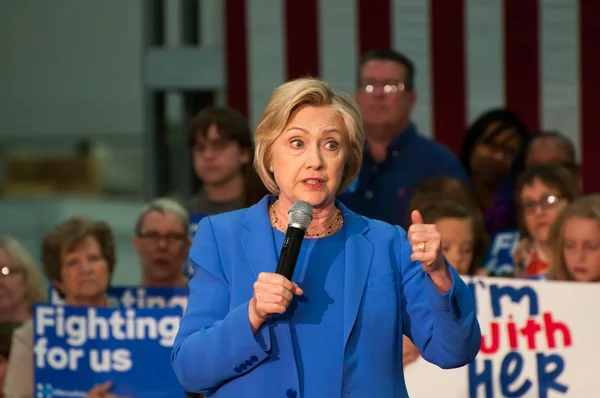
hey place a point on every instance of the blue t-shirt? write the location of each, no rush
(382, 190)
(320, 273)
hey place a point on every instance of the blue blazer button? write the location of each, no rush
(249, 363)
(243, 366)
(254, 358)
(237, 370)
(291, 393)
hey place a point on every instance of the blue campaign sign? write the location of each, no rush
(194, 221)
(499, 259)
(76, 348)
(138, 297)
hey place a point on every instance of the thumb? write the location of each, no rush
(416, 217)
(297, 290)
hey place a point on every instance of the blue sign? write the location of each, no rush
(138, 297)
(194, 221)
(499, 260)
(76, 348)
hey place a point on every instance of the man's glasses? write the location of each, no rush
(155, 237)
(388, 88)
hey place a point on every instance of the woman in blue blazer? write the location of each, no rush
(336, 328)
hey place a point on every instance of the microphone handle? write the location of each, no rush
(289, 252)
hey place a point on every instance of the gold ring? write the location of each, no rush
(422, 246)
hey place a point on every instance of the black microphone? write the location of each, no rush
(299, 216)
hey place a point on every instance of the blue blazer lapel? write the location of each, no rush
(259, 246)
(359, 254)
(257, 238)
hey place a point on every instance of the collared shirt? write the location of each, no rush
(382, 190)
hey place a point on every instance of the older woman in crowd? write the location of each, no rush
(575, 242)
(336, 327)
(21, 284)
(79, 258)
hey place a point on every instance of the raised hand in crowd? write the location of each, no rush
(102, 391)
(410, 352)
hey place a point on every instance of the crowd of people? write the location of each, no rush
(506, 178)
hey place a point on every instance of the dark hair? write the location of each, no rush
(439, 188)
(66, 236)
(555, 176)
(254, 189)
(475, 131)
(231, 124)
(6, 332)
(440, 209)
(385, 54)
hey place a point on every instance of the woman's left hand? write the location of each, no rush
(426, 244)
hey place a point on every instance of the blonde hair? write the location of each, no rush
(33, 284)
(586, 207)
(283, 102)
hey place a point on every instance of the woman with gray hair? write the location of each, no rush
(334, 327)
(21, 284)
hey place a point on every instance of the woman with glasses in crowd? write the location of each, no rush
(541, 192)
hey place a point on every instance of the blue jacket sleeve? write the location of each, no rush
(443, 327)
(214, 343)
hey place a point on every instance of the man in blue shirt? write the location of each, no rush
(394, 150)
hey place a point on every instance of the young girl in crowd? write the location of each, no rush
(462, 238)
(541, 193)
(575, 242)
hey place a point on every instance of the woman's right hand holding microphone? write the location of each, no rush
(273, 293)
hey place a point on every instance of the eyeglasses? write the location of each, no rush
(155, 237)
(388, 88)
(544, 204)
(8, 271)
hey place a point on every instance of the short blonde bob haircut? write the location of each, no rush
(585, 207)
(34, 288)
(289, 97)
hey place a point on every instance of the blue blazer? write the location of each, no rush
(386, 295)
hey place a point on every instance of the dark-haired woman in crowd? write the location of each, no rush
(541, 193)
(78, 258)
(492, 153)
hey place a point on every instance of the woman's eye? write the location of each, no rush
(297, 143)
(332, 145)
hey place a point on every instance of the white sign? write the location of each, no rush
(539, 339)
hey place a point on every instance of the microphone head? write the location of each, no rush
(300, 215)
